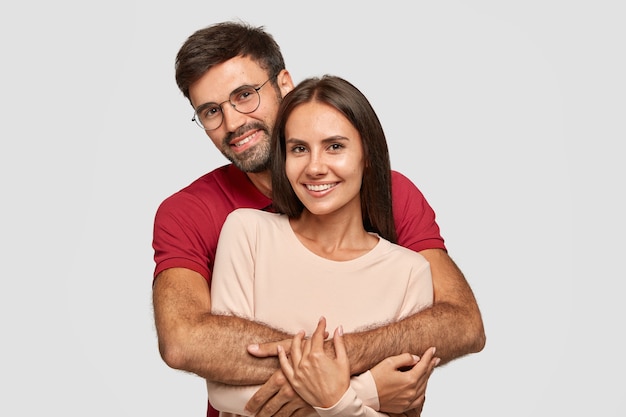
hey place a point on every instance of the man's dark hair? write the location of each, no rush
(220, 42)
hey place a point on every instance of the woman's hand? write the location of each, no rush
(318, 378)
(399, 389)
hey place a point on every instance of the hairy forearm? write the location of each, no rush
(453, 324)
(215, 349)
(454, 332)
(212, 346)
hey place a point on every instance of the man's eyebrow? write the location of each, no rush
(241, 87)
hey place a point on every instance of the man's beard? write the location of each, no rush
(255, 159)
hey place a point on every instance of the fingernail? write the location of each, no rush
(340, 330)
(416, 358)
(437, 361)
(253, 348)
(434, 350)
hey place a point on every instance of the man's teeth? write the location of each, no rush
(320, 187)
(243, 142)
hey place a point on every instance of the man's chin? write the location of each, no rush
(259, 168)
(249, 166)
(250, 161)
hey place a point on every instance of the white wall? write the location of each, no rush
(508, 115)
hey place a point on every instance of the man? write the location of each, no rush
(234, 77)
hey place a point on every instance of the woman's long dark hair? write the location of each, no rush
(338, 93)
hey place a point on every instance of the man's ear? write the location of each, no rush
(284, 81)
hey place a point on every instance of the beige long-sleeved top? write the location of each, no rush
(263, 272)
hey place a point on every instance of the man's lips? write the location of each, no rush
(244, 140)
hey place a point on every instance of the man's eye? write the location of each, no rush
(210, 112)
(243, 95)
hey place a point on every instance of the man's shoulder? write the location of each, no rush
(212, 195)
(224, 177)
(402, 186)
(226, 185)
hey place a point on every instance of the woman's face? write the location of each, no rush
(324, 158)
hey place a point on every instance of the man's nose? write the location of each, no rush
(232, 118)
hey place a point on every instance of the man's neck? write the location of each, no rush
(262, 181)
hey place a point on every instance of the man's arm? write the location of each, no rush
(211, 346)
(453, 324)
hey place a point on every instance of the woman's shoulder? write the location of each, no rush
(250, 216)
(398, 252)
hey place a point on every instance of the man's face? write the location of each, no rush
(244, 139)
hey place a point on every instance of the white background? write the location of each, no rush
(509, 116)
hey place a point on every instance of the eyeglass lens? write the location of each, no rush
(245, 99)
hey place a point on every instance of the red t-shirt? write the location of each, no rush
(188, 223)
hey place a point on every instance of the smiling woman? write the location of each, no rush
(324, 161)
(329, 150)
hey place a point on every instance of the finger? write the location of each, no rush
(278, 402)
(296, 407)
(305, 411)
(284, 363)
(296, 348)
(270, 408)
(418, 403)
(432, 365)
(264, 393)
(426, 362)
(404, 360)
(264, 350)
(317, 339)
(340, 347)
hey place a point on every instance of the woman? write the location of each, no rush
(327, 251)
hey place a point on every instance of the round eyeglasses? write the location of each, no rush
(245, 99)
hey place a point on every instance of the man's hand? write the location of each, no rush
(417, 412)
(398, 390)
(277, 398)
(266, 350)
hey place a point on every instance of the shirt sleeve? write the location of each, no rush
(350, 405)
(365, 388)
(416, 225)
(361, 396)
(182, 231)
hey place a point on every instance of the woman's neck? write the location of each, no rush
(336, 236)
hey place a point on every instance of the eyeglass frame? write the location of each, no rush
(200, 107)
